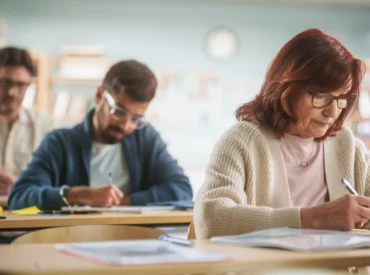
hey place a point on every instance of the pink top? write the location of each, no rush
(307, 186)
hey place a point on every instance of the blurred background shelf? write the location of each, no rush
(38, 96)
(74, 44)
(57, 80)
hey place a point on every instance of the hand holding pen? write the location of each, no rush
(110, 178)
(353, 191)
(107, 195)
(344, 213)
(349, 187)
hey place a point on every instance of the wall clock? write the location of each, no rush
(221, 44)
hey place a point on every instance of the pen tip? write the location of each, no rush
(162, 237)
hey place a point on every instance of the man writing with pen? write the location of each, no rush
(114, 157)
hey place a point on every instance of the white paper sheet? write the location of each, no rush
(127, 209)
(304, 240)
(139, 252)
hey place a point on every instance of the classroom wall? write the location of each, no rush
(169, 35)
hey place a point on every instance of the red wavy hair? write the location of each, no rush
(310, 61)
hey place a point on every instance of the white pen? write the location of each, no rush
(349, 187)
(175, 240)
(110, 178)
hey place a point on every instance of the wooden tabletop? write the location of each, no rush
(3, 200)
(14, 221)
(44, 258)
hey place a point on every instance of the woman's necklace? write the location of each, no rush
(302, 164)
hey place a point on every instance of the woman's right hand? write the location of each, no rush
(345, 213)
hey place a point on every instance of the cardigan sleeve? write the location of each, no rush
(221, 206)
(361, 169)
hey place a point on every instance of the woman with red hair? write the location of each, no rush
(282, 163)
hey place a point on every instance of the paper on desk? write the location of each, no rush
(299, 239)
(123, 209)
(139, 252)
(27, 211)
(361, 231)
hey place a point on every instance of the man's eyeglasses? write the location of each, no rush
(120, 113)
(322, 100)
(6, 84)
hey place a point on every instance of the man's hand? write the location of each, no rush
(102, 196)
(6, 182)
(126, 201)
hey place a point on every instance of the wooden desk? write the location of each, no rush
(3, 200)
(38, 221)
(44, 259)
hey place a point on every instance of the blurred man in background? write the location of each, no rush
(114, 157)
(19, 130)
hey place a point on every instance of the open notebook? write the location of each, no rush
(306, 240)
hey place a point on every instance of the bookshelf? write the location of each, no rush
(42, 98)
(74, 76)
(58, 80)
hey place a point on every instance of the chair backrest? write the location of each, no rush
(191, 231)
(88, 233)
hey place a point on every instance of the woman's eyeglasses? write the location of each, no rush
(322, 100)
(120, 113)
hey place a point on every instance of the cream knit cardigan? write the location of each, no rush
(246, 186)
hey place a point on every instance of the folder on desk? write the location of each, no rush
(304, 240)
(183, 205)
(122, 209)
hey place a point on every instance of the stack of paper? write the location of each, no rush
(139, 252)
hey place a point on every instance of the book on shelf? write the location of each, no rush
(78, 108)
(70, 108)
(29, 97)
(83, 50)
(61, 105)
(82, 62)
(82, 68)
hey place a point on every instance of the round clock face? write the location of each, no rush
(221, 44)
